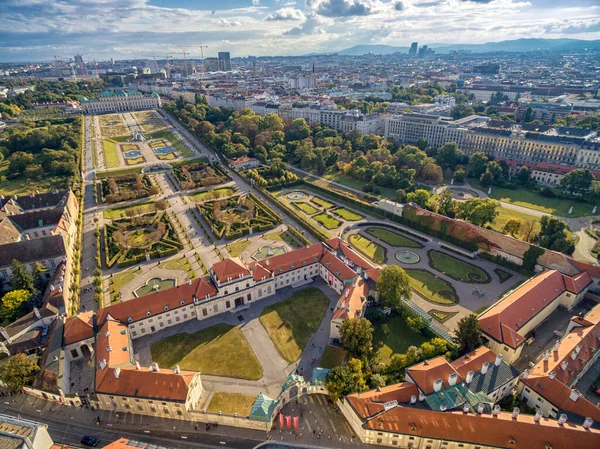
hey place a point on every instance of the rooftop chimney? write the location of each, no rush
(498, 360)
(589, 422)
(564, 365)
(137, 366)
(469, 377)
(515, 412)
(37, 314)
(480, 409)
(437, 385)
(466, 408)
(552, 375)
(443, 407)
(177, 370)
(102, 364)
(556, 345)
(155, 367)
(484, 367)
(574, 395)
(538, 416)
(421, 396)
(562, 419)
(496, 410)
(452, 379)
(546, 356)
(413, 399)
(525, 374)
(117, 372)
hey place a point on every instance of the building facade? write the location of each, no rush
(120, 101)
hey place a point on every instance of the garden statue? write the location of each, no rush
(570, 210)
(490, 191)
(452, 182)
(594, 211)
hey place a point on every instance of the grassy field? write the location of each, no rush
(457, 269)
(219, 350)
(395, 337)
(138, 209)
(321, 202)
(372, 250)
(305, 207)
(230, 403)
(118, 280)
(332, 357)
(236, 248)
(290, 323)
(533, 200)
(24, 185)
(429, 286)
(213, 194)
(327, 221)
(393, 238)
(357, 184)
(110, 153)
(283, 236)
(179, 264)
(174, 141)
(129, 147)
(347, 215)
(505, 214)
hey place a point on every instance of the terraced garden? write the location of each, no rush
(457, 269)
(372, 250)
(432, 288)
(305, 207)
(321, 202)
(393, 238)
(347, 215)
(327, 221)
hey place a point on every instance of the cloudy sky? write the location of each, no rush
(100, 29)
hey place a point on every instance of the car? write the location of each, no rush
(89, 441)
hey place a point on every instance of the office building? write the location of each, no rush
(413, 49)
(80, 64)
(224, 61)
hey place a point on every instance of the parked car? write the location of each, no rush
(89, 441)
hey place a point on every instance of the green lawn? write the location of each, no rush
(441, 315)
(236, 248)
(357, 184)
(135, 161)
(213, 194)
(230, 403)
(23, 185)
(129, 147)
(347, 215)
(321, 202)
(220, 350)
(372, 250)
(533, 200)
(393, 238)
(457, 269)
(118, 280)
(332, 357)
(138, 209)
(174, 141)
(505, 214)
(429, 286)
(111, 159)
(327, 221)
(179, 264)
(305, 207)
(290, 323)
(395, 337)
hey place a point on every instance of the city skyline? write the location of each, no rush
(35, 30)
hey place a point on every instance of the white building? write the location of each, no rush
(120, 101)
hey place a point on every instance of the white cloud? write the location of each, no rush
(286, 14)
(345, 8)
(256, 2)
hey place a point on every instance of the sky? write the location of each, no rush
(36, 30)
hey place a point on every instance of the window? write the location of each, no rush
(139, 407)
(169, 321)
(165, 411)
(153, 409)
(134, 334)
(127, 406)
(228, 304)
(74, 353)
(185, 316)
(204, 312)
(179, 412)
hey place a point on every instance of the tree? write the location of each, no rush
(478, 211)
(18, 371)
(524, 176)
(512, 226)
(12, 305)
(577, 181)
(19, 161)
(356, 337)
(377, 381)
(419, 196)
(416, 324)
(527, 228)
(468, 334)
(393, 286)
(552, 234)
(477, 164)
(343, 380)
(21, 278)
(448, 156)
(459, 175)
(528, 114)
(446, 203)
(432, 174)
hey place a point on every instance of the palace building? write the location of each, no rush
(120, 101)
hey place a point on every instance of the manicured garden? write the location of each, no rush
(118, 280)
(230, 403)
(220, 350)
(505, 214)
(182, 263)
(138, 209)
(305, 207)
(199, 174)
(213, 194)
(457, 269)
(177, 144)
(126, 187)
(347, 215)
(327, 221)
(393, 336)
(502, 274)
(432, 288)
(441, 315)
(321, 202)
(236, 248)
(372, 250)
(393, 238)
(291, 322)
(111, 159)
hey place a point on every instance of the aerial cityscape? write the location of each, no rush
(282, 224)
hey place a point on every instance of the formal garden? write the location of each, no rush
(393, 336)
(132, 154)
(291, 322)
(149, 120)
(200, 174)
(136, 209)
(113, 125)
(237, 216)
(127, 187)
(327, 221)
(457, 269)
(219, 350)
(369, 248)
(431, 287)
(131, 240)
(393, 238)
(214, 194)
(346, 214)
(274, 176)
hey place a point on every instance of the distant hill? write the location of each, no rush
(517, 45)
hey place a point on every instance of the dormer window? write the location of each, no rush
(226, 292)
(166, 308)
(148, 313)
(129, 319)
(248, 285)
(182, 302)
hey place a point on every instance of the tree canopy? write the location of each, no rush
(393, 286)
(18, 371)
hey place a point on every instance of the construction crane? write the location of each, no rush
(168, 66)
(202, 67)
(155, 62)
(185, 53)
(62, 64)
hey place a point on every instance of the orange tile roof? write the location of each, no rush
(339, 244)
(574, 352)
(371, 402)
(338, 268)
(486, 430)
(78, 328)
(292, 260)
(578, 282)
(424, 374)
(112, 344)
(229, 269)
(474, 360)
(352, 301)
(503, 320)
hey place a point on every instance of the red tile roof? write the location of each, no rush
(78, 328)
(229, 269)
(352, 301)
(338, 268)
(424, 374)
(371, 402)
(292, 260)
(474, 360)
